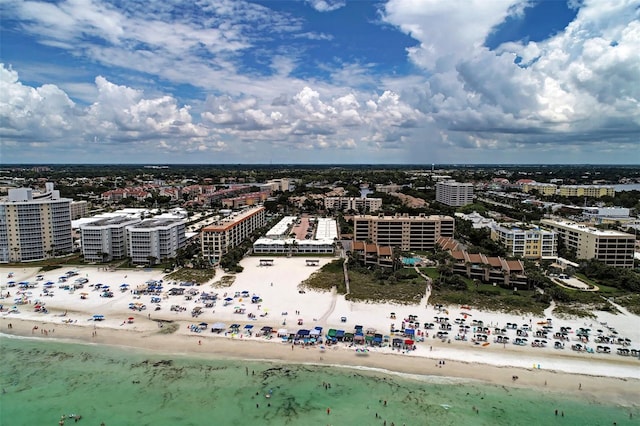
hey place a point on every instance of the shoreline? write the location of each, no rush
(601, 377)
(624, 392)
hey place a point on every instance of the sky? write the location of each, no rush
(320, 82)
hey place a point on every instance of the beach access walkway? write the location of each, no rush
(332, 306)
(427, 294)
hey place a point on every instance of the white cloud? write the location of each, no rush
(579, 86)
(327, 5)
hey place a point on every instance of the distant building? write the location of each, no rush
(34, 226)
(79, 209)
(545, 189)
(477, 220)
(220, 237)
(387, 189)
(597, 214)
(593, 191)
(243, 200)
(611, 247)
(454, 194)
(528, 242)
(403, 231)
(105, 239)
(357, 204)
(155, 240)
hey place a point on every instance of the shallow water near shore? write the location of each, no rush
(42, 380)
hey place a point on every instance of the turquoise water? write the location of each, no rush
(41, 380)
(411, 261)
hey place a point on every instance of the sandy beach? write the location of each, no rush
(594, 376)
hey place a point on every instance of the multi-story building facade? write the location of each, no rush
(155, 239)
(79, 209)
(454, 194)
(546, 189)
(105, 239)
(218, 238)
(403, 231)
(388, 189)
(34, 226)
(593, 191)
(611, 247)
(357, 204)
(507, 273)
(250, 199)
(526, 241)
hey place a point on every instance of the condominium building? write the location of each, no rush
(217, 239)
(403, 231)
(34, 226)
(250, 199)
(595, 191)
(454, 194)
(540, 188)
(611, 247)
(105, 239)
(388, 189)
(526, 241)
(155, 239)
(79, 209)
(357, 204)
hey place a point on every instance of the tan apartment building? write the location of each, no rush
(593, 191)
(526, 241)
(611, 247)
(547, 189)
(218, 238)
(34, 226)
(403, 231)
(357, 204)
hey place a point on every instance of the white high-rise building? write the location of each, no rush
(34, 226)
(454, 194)
(105, 239)
(155, 240)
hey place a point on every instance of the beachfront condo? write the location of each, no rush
(218, 238)
(34, 226)
(403, 231)
(611, 247)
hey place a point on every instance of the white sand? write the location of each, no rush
(278, 287)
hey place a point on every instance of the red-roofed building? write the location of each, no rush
(506, 273)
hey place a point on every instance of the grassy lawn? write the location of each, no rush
(198, 276)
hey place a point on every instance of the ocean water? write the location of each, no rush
(43, 380)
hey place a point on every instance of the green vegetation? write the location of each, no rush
(198, 276)
(630, 302)
(493, 299)
(225, 281)
(168, 327)
(329, 276)
(573, 310)
(369, 285)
